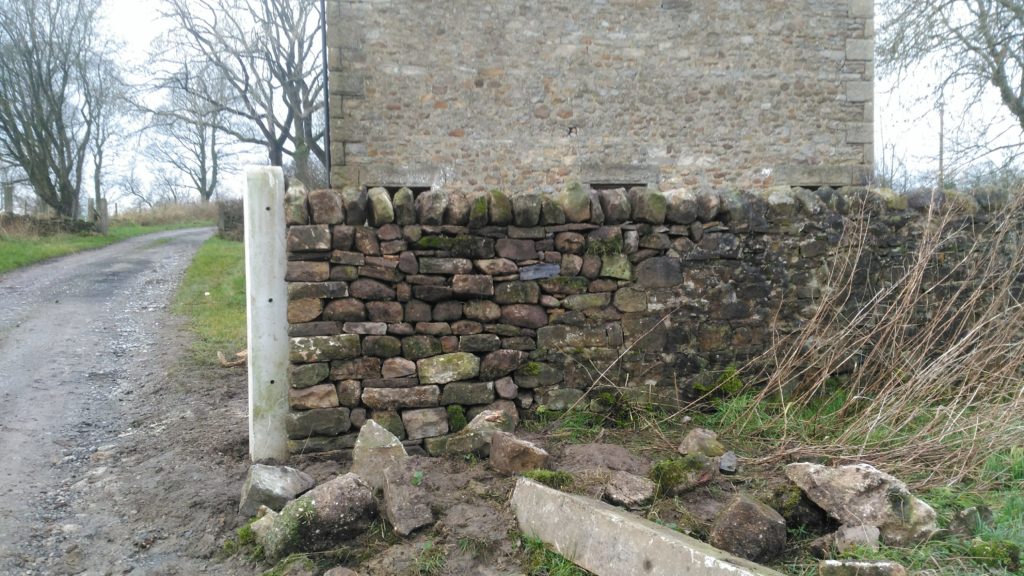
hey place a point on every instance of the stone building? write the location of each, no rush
(525, 95)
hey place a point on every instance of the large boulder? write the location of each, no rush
(749, 529)
(273, 487)
(862, 495)
(376, 449)
(334, 511)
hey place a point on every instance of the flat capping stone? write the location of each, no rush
(824, 175)
(609, 541)
(601, 175)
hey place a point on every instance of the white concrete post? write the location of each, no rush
(267, 307)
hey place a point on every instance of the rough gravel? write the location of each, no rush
(119, 454)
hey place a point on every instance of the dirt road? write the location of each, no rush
(118, 454)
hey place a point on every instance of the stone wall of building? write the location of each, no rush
(404, 304)
(528, 95)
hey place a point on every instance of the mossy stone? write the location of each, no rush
(404, 205)
(575, 201)
(616, 266)
(500, 209)
(479, 207)
(306, 375)
(448, 368)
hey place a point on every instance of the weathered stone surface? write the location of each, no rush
(398, 368)
(306, 375)
(749, 529)
(364, 328)
(355, 201)
(394, 398)
(304, 310)
(861, 495)
(575, 202)
(324, 348)
(376, 449)
(475, 438)
(314, 444)
(560, 399)
(457, 212)
(448, 368)
(660, 272)
(390, 420)
(860, 568)
(631, 300)
(447, 266)
(417, 347)
(316, 290)
(629, 490)
(526, 209)
(407, 382)
(708, 204)
(382, 346)
(310, 238)
(496, 266)
(482, 310)
(467, 394)
(295, 205)
(728, 464)
(585, 301)
(479, 207)
(524, 315)
(681, 207)
(319, 396)
(517, 293)
(571, 265)
(341, 570)
(511, 455)
(366, 289)
(472, 286)
(366, 243)
(609, 541)
(506, 388)
(564, 285)
(649, 206)
(321, 422)
(539, 271)
(381, 211)
(701, 441)
(970, 521)
(430, 207)
(345, 310)
(615, 205)
(502, 363)
(426, 423)
(356, 369)
(432, 293)
(551, 212)
(560, 337)
(848, 538)
(479, 343)
(535, 374)
(516, 249)
(382, 311)
(405, 207)
(334, 511)
(406, 502)
(500, 209)
(350, 393)
(298, 271)
(273, 487)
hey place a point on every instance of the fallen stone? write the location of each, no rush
(629, 490)
(749, 529)
(406, 502)
(969, 522)
(475, 438)
(375, 450)
(854, 568)
(511, 455)
(336, 510)
(859, 494)
(728, 464)
(273, 487)
(701, 441)
(609, 541)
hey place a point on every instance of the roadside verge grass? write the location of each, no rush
(212, 296)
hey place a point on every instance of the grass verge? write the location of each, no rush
(212, 296)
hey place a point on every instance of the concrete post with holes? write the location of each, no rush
(267, 307)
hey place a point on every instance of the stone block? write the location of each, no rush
(448, 368)
(496, 266)
(468, 285)
(511, 455)
(446, 266)
(539, 271)
(376, 449)
(382, 311)
(366, 289)
(420, 346)
(538, 374)
(313, 397)
(524, 315)
(434, 328)
(479, 206)
(364, 328)
(381, 210)
(575, 203)
(326, 207)
(860, 49)
(506, 388)
(396, 398)
(320, 422)
(349, 394)
(273, 487)
(382, 346)
(517, 293)
(316, 290)
(355, 201)
(565, 285)
(500, 209)
(404, 207)
(482, 310)
(406, 502)
(749, 529)
(356, 369)
(430, 207)
(516, 249)
(311, 238)
(609, 541)
(345, 310)
(629, 490)
(561, 337)
(526, 209)
(298, 271)
(324, 348)
(479, 343)
(306, 375)
(398, 368)
(425, 423)
(661, 272)
(616, 266)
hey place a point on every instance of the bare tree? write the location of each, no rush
(46, 117)
(973, 44)
(269, 54)
(107, 95)
(190, 135)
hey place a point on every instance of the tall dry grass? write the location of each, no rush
(921, 372)
(171, 214)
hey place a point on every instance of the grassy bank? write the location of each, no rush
(212, 296)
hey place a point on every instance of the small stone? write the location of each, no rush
(616, 266)
(376, 449)
(629, 490)
(425, 423)
(524, 315)
(356, 369)
(342, 237)
(561, 398)
(398, 368)
(536, 374)
(466, 328)
(363, 328)
(345, 310)
(497, 266)
(406, 502)
(631, 300)
(447, 266)
(273, 487)
(701, 441)
(448, 368)
(506, 388)
(366, 242)
(860, 568)
(511, 455)
(389, 312)
(501, 363)
(517, 293)
(661, 272)
(341, 570)
(848, 538)
(381, 210)
(969, 522)
(390, 420)
(349, 394)
(430, 207)
(500, 209)
(708, 204)
(749, 529)
(586, 301)
(571, 265)
(728, 464)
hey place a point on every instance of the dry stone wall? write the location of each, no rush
(403, 305)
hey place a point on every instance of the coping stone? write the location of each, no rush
(612, 542)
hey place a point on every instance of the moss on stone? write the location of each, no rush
(671, 472)
(605, 247)
(550, 478)
(996, 554)
(531, 368)
(456, 418)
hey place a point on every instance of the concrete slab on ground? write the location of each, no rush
(609, 541)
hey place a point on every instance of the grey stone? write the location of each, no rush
(501, 363)
(649, 206)
(319, 396)
(497, 266)
(681, 207)
(551, 212)
(728, 464)
(701, 441)
(448, 368)
(272, 486)
(475, 438)
(309, 238)
(334, 511)
(479, 343)
(395, 398)
(425, 423)
(629, 490)
(319, 422)
(539, 271)
(536, 374)
(526, 209)
(561, 398)
(848, 538)
(500, 209)
(406, 502)
(616, 266)
(306, 375)
(405, 207)
(398, 368)
(355, 200)
(430, 207)
(609, 541)
(418, 347)
(575, 201)
(381, 210)
(860, 494)
(376, 449)
(467, 394)
(506, 388)
(749, 529)
(457, 212)
(296, 211)
(615, 205)
(511, 455)
(660, 272)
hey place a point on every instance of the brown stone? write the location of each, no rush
(448, 266)
(308, 272)
(571, 265)
(366, 241)
(591, 266)
(482, 310)
(447, 311)
(434, 328)
(395, 398)
(326, 207)
(408, 263)
(466, 327)
(516, 249)
(497, 266)
(524, 315)
(365, 289)
(390, 312)
(417, 311)
(570, 243)
(470, 285)
(355, 369)
(425, 423)
(501, 363)
(417, 347)
(318, 290)
(407, 382)
(506, 388)
(517, 293)
(345, 310)
(304, 310)
(432, 293)
(342, 237)
(347, 258)
(749, 529)
(319, 396)
(398, 368)
(382, 346)
(349, 393)
(311, 238)
(511, 455)
(364, 328)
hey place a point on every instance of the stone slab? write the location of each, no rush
(611, 542)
